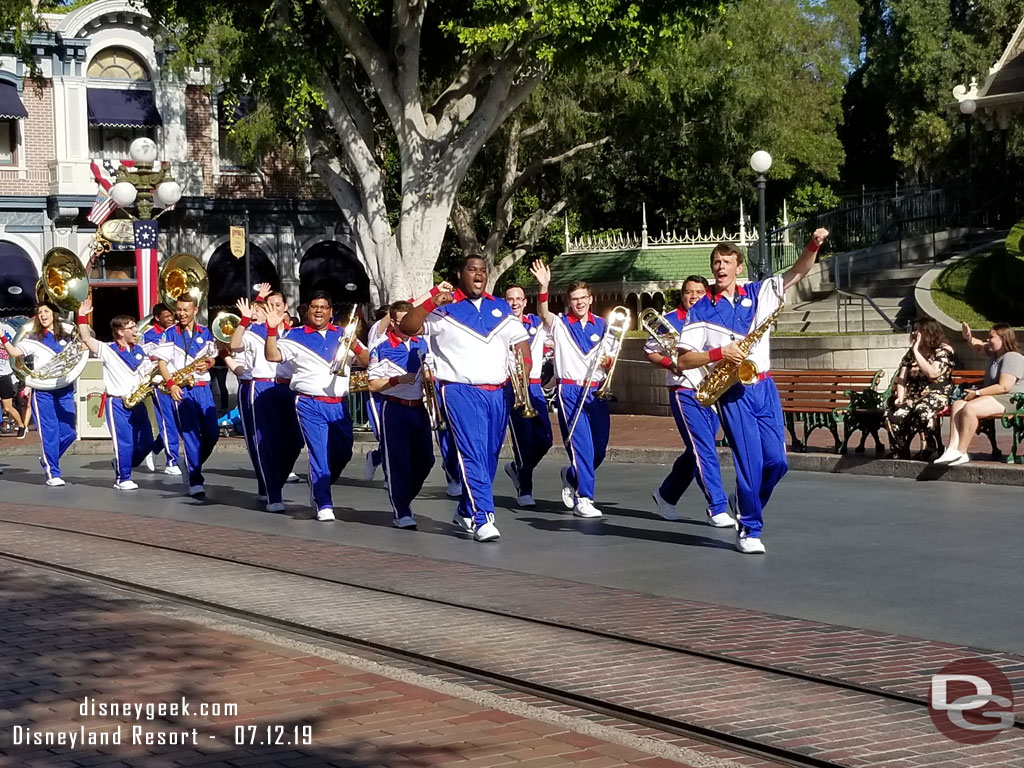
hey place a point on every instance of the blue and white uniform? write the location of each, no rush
(698, 426)
(270, 402)
(374, 337)
(320, 404)
(245, 415)
(195, 414)
(55, 408)
(531, 438)
(405, 437)
(164, 409)
(131, 432)
(469, 346)
(577, 343)
(751, 415)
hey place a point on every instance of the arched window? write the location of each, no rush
(118, 64)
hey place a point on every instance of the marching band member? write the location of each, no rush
(277, 440)
(751, 414)
(697, 425)
(321, 403)
(54, 408)
(531, 438)
(163, 408)
(124, 371)
(7, 388)
(378, 330)
(469, 333)
(579, 337)
(194, 411)
(404, 425)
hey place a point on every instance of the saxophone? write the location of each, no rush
(185, 377)
(148, 385)
(725, 374)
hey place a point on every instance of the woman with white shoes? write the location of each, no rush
(1003, 378)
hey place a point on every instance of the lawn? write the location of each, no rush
(983, 289)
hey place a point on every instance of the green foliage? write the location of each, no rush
(1013, 240)
(983, 289)
(811, 198)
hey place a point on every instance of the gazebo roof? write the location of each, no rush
(1002, 93)
(631, 265)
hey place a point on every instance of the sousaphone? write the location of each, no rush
(64, 284)
(183, 275)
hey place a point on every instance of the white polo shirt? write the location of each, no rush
(254, 355)
(577, 343)
(178, 349)
(309, 354)
(122, 368)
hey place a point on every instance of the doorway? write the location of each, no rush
(108, 302)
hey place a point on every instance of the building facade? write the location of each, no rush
(105, 85)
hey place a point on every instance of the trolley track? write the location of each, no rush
(665, 724)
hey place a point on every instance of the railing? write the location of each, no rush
(846, 299)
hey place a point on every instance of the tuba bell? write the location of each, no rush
(63, 283)
(183, 275)
(224, 325)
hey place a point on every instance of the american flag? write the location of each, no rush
(104, 204)
(145, 263)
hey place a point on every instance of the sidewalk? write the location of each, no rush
(66, 640)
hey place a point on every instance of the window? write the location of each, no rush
(118, 64)
(8, 142)
(107, 143)
(230, 159)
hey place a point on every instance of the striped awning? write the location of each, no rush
(11, 107)
(117, 108)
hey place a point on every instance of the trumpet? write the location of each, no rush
(345, 347)
(520, 376)
(430, 396)
(618, 324)
(223, 326)
(660, 331)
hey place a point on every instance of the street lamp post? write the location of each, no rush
(761, 161)
(967, 108)
(145, 185)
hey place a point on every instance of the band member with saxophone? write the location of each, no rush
(321, 402)
(163, 319)
(697, 424)
(470, 332)
(583, 354)
(126, 367)
(751, 413)
(405, 437)
(531, 437)
(185, 354)
(54, 408)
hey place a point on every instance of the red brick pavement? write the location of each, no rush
(64, 641)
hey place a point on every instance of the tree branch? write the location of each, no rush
(463, 222)
(447, 108)
(409, 24)
(530, 233)
(538, 165)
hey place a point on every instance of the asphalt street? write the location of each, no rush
(938, 561)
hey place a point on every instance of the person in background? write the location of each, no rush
(7, 388)
(923, 382)
(1003, 377)
(163, 319)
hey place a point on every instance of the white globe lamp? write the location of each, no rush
(167, 193)
(968, 107)
(143, 150)
(761, 161)
(124, 194)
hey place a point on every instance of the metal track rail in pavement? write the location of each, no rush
(595, 632)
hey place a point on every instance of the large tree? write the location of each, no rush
(398, 100)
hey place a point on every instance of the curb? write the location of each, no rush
(923, 289)
(987, 472)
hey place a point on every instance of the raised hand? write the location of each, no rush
(965, 331)
(244, 308)
(819, 236)
(445, 287)
(541, 273)
(85, 308)
(263, 290)
(444, 294)
(274, 318)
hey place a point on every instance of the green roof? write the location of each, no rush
(634, 265)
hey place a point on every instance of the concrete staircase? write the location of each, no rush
(823, 316)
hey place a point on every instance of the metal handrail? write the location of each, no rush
(840, 294)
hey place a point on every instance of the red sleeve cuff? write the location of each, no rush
(429, 305)
(83, 319)
(244, 322)
(5, 339)
(666, 362)
(715, 354)
(357, 348)
(528, 363)
(271, 331)
(543, 296)
(434, 291)
(812, 246)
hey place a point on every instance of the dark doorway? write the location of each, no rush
(108, 302)
(17, 281)
(227, 276)
(333, 267)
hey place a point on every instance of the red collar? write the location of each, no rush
(181, 329)
(458, 295)
(740, 291)
(310, 329)
(396, 340)
(680, 313)
(574, 319)
(123, 349)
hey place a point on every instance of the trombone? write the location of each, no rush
(341, 356)
(618, 324)
(660, 331)
(520, 377)
(434, 413)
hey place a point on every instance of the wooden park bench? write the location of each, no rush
(825, 399)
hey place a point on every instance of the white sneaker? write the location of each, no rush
(369, 469)
(513, 475)
(950, 455)
(963, 458)
(585, 508)
(465, 524)
(127, 485)
(454, 489)
(749, 545)
(293, 478)
(526, 500)
(325, 515)
(276, 506)
(568, 492)
(262, 497)
(172, 469)
(196, 490)
(487, 532)
(55, 482)
(721, 520)
(666, 510)
(149, 463)
(404, 522)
